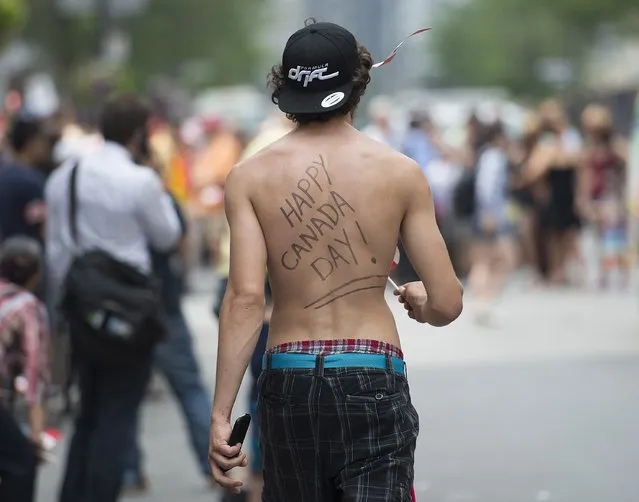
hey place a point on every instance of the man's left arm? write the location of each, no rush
(241, 320)
(35, 210)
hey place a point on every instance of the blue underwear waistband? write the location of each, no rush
(295, 360)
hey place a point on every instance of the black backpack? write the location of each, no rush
(113, 310)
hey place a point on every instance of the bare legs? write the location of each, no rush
(564, 250)
(493, 262)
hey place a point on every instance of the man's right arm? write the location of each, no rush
(58, 254)
(158, 216)
(427, 251)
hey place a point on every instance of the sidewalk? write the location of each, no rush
(545, 402)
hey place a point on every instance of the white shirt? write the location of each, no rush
(122, 209)
(492, 181)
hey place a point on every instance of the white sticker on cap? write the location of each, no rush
(332, 99)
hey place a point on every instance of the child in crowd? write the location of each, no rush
(24, 366)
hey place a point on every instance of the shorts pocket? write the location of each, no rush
(376, 389)
(379, 396)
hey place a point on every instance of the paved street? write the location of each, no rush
(542, 407)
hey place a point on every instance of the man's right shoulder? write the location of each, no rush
(256, 165)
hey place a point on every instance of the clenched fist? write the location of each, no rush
(413, 296)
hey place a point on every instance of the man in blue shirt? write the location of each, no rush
(417, 143)
(22, 208)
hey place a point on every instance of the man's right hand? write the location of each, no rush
(413, 296)
(222, 457)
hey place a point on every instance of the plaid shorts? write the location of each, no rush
(330, 434)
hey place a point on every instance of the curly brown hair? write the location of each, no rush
(361, 79)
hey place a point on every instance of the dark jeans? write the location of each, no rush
(344, 434)
(18, 462)
(176, 360)
(109, 401)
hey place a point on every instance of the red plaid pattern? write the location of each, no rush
(22, 314)
(325, 347)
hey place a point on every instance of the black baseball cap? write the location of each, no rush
(319, 62)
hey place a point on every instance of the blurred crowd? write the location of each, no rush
(505, 203)
(548, 202)
(555, 180)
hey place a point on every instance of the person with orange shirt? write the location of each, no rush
(211, 165)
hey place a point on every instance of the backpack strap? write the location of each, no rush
(73, 203)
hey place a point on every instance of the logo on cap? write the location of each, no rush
(308, 74)
(332, 99)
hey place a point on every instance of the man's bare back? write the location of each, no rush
(322, 209)
(331, 208)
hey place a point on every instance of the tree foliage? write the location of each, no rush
(218, 35)
(164, 38)
(12, 13)
(503, 42)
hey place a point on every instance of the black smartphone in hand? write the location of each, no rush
(240, 428)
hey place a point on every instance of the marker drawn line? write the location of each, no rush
(342, 287)
(349, 293)
(322, 164)
(360, 232)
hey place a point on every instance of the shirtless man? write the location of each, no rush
(323, 209)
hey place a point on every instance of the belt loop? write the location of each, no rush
(391, 369)
(319, 365)
(268, 360)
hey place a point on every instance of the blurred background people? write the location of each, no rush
(602, 193)
(175, 356)
(22, 207)
(76, 140)
(380, 126)
(556, 161)
(494, 254)
(121, 210)
(24, 367)
(527, 196)
(418, 142)
(219, 152)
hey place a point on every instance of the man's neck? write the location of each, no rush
(334, 124)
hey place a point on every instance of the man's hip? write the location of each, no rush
(344, 419)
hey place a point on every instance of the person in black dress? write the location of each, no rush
(555, 162)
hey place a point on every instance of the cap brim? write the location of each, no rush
(292, 100)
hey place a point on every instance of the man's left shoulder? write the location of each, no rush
(245, 173)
